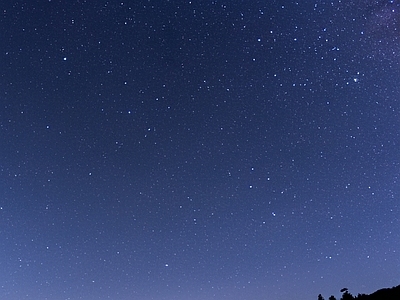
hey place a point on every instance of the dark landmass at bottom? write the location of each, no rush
(382, 294)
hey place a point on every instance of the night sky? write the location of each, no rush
(225, 150)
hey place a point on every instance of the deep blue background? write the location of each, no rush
(198, 149)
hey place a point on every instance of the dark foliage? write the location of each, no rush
(383, 294)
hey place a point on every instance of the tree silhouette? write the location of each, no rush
(382, 294)
(362, 297)
(347, 296)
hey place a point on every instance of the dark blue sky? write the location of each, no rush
(198, 149)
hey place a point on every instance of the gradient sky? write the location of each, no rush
(202, 150)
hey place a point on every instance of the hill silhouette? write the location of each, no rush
(382, 294)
